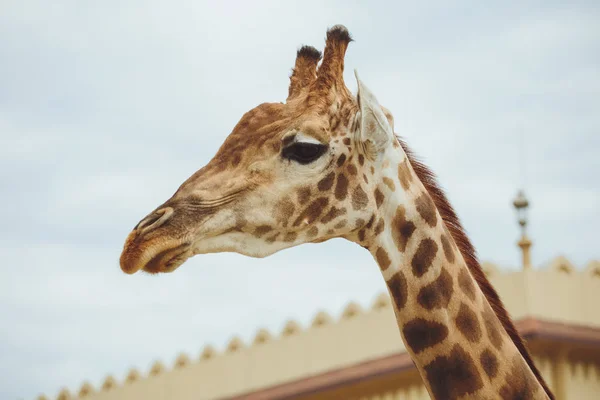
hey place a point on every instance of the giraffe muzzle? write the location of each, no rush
(153, 257)
(146, 248)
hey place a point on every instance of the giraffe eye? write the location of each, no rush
(304, 153)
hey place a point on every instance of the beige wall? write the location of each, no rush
(556, 293)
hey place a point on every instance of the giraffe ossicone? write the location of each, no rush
(327, 164)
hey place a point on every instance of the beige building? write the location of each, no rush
(360, 355)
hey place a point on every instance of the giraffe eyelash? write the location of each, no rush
(304, 152)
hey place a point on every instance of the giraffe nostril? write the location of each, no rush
(154, 220)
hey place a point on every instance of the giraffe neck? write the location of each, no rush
(451, 332)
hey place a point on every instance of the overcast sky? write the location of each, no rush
(106, 108)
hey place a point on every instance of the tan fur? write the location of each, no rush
(468, 252)
(363, 186)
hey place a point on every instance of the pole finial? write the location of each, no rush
(521, 204)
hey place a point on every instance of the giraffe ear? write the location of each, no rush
(375, 127)
(389, 117)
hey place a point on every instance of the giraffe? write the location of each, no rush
(327, 164)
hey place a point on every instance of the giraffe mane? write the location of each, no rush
(428, 178)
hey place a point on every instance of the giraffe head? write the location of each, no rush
(289, 173)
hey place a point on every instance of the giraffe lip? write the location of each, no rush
(168, 260)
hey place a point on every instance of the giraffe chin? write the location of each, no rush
(168, 260)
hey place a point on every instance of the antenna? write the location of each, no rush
(522, 161)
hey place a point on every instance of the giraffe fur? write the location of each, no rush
(327, 164)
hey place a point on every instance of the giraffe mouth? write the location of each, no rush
(168, 260)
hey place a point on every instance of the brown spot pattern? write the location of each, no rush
(333, 213)
(383, 259)
(465, 248)
(341, 224)
(489, 363)
(361, 159)
(453, 376)
(468, 324)
(379, 227)
(426, 209)
(347, 141)
(520, 383)
(359, 198)
(424, 257)
(240, 221)
(341, 187)
(466, 284)
(327, 182)
(398, 289)
(312, 232)
(285, 211)
(421, 334)
(492, 326)
(404, 174)
(437, 294)
(303, 195)
(272, 238)
(341, 160)
(352, 169)
(389, 183)
(361, 235)
(448, 250)
(402, 229)
(290, 237)
(312, 211)
(379, 197)
(261, 230)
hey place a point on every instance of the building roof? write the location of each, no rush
(556, 302)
